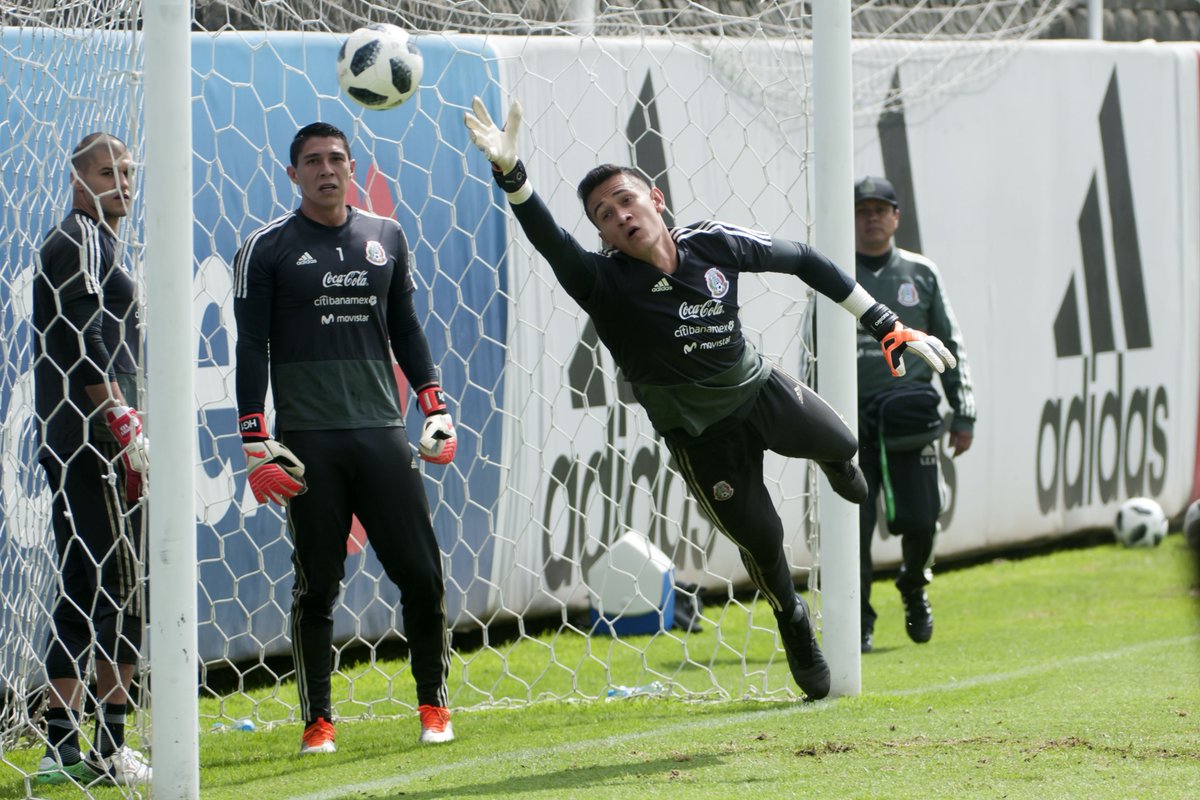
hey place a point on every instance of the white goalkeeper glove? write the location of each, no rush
(896, 339)
(498, 146)
(275, 474)
(438, 439)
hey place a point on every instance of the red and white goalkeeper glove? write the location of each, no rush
(126, 427)
(438, 439)
(882, 323)
(275, 474)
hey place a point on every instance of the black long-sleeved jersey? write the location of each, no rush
(85, 313)
(321, 305)
(677, 338)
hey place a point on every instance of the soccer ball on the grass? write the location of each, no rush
(379, 66)
(1140, 523)
(1191, 525)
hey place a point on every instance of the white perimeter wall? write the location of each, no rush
(1001, 166)
(1001, 172)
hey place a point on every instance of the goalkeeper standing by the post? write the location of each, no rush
(92, 450)
(665, 303)
(323, 300)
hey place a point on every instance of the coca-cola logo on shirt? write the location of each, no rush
(356, 277)
(709, 308)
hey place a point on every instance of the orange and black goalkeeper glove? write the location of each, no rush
(882, 323)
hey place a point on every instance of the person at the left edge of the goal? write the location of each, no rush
(323, 299)
(95, 457)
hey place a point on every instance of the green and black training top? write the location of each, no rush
(327, 308)
(678, 338)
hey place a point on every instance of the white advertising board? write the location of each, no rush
(1057, 194)
(1059, 200)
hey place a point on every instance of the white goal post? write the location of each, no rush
(171, 405)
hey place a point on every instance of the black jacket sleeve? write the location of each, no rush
(72, 266)
(409, 344)
(252, 314)
(574, 266)
(812, 267)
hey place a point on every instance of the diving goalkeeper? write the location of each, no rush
(665, 303)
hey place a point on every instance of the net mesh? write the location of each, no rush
(555, 460)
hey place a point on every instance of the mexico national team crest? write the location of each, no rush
(722, 491)
(376, 254)
(717, 283)
(907, 295)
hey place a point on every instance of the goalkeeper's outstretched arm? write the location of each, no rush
(573, 265)
(896, 339)
(811, 266)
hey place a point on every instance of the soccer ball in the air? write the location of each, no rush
(1140, 523)
(379, 66)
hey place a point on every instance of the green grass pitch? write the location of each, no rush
(1069, 675)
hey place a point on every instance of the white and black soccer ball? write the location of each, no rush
(379, 66)
(1191, 525)
(1140, 522)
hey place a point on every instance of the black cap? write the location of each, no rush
(871, 188)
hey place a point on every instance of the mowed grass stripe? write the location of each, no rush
(770, 712)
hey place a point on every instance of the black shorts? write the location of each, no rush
(723, 468)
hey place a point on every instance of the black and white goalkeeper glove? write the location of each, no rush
(882, 323)
(498, 146)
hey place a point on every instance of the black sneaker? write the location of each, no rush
(846, 479)
(868, 640)
(804, 656)
(918, 616)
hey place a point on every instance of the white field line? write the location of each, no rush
(559, 749)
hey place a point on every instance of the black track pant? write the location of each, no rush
(370, 473)
(916, 493)
(97, 537)
(723, 468)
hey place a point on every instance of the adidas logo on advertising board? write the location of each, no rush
(1109, 440)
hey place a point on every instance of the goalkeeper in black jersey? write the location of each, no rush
(94, 454)
(665, 303)
(323, 299)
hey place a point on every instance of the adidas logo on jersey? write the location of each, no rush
(663, 285)
(305, 259)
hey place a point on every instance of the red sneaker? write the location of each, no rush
(318, 738)
(435, 725)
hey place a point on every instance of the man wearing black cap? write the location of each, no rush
(899, 421)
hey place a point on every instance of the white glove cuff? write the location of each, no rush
(858, 302)
(520, 195)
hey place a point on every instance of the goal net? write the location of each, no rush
(555, 462)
